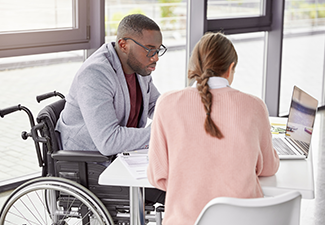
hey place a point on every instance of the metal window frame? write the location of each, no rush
(273, 60)
(88, 33)
(271, 22)
(198, 24)
(243, 24)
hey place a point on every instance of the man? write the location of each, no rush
(112, 94)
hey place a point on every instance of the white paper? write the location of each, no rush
(136, 164)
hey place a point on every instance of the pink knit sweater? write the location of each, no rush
(193, 167)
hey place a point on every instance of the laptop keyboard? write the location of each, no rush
(302, 144)
(281, 147)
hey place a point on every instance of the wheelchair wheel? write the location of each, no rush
(55, 201)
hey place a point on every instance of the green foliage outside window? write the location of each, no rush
(167, 11)
(314, 10)
(118, 16)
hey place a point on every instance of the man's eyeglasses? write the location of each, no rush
(151, 52)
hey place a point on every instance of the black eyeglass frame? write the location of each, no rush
(156, 51)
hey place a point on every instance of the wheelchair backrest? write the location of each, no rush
(48, 118)
(49, 115)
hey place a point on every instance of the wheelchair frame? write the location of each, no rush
(66, 199)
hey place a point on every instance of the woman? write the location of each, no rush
(209, 140)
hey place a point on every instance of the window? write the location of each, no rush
(238, 16)
(303, 50)
(234, 9)
(249, 70)
(245, 22)
(54, 14)
(60, 25)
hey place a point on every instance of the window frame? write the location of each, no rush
(271, 22)
(243, 24)
(17, 43)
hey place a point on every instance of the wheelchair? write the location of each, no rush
(68, 191)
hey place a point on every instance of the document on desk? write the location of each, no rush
(278, 128)
(136, 163)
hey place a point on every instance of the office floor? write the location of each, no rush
(312, 211)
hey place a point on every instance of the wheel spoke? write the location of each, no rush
(36, 210)
(21, 216)
(63, 202)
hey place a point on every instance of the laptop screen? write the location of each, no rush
(301, 116)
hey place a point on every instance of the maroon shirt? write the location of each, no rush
(135, 99)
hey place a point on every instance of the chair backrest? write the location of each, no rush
(48, 118)
(282, 209)
(50, 115)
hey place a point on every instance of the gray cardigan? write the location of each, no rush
(98, 107)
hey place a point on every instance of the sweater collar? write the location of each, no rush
(216, 82)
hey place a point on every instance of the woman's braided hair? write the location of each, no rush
(212, 56)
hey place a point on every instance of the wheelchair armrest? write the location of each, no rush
(80, 156)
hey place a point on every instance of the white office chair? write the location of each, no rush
(282, 209)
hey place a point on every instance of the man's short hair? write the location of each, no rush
(132, 25)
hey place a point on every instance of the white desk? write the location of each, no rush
(118, 174)
(292, 175)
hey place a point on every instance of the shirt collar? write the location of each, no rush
(216, 82)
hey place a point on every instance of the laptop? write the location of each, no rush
(296, 142)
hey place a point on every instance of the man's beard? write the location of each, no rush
(136, 66)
